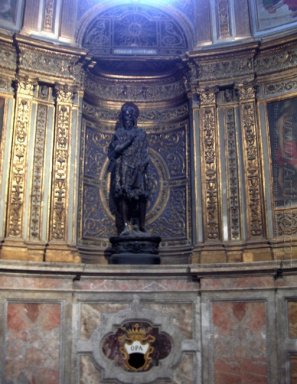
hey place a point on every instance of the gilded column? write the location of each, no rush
(59, 248)
(252, 161)
(210, 176)
(14, 246)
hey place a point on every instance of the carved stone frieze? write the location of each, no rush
(276, 59)
(160, 115)
(252, 160)
(137, 91)
(37, 172)
(222, 67)
(280, 87)
(232, 172)
(6, 85)
(50, 64)
(25, 90)
(60, 163)
(8, 57)
(209, 154)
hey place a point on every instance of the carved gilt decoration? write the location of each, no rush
(232, 172)
(222, 7)
(61, 163)
(252, 160)
(49, 15)
(210, 163)
(37, 172)
(25, 90)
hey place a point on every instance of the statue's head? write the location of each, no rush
(129, 115)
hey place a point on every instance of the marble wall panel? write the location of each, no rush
(89, 373)
(32, 348)
(239, 342)
(293, 369)
(185, 374)
(181, 315)
(292, 319)
(247, 282)
(91, 316)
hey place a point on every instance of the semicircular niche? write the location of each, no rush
(134, 30)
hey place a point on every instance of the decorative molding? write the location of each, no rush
(252, 160)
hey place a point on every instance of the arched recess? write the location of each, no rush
(137, 58)
(163, 30)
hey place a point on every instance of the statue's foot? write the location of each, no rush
(125, 231)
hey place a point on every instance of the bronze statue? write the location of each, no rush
(128, 155)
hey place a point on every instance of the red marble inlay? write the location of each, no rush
(32, 350)
(239, 342)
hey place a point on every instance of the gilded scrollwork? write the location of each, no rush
(172, 223)
(37, 172)
(25, 89)
(173, 150)
(209, 153)
(252, 159)
(96, 224)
